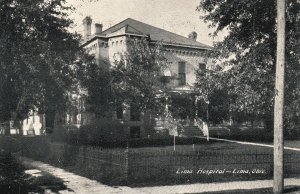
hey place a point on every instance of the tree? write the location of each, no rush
(137, 75)
(218, 107)
(36, 57)
(97, 80)
(250, 51)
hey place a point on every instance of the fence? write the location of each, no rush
(174, 167)
(105, 165)
(159, 166)
(203, 127)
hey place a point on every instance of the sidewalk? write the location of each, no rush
(78, 184)
(81, 185)
(250, 143)
(217, 187)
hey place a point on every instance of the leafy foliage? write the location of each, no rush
(137, 74)
(36, 56)
(248, 53)
(104, 130)
(218, 106)
(182, 106)
(97, 80)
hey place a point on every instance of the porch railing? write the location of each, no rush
(203, 127)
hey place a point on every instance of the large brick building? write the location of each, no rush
(184, 54)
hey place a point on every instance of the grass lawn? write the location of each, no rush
(242, 133)
(163, 163)
(259, 135)
(292, 143)
(211, 146)
(150, 165)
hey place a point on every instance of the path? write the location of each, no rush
(217, 187)
(249, 143)
(78, 184)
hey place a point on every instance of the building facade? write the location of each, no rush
(184, 56)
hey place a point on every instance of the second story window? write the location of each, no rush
(119, 110)
(134, 112)
(181, 74)
(202, 69)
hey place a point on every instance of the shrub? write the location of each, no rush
(36, 147)
(103, 131)
(59, 134)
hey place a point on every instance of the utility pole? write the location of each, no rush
(278, 183)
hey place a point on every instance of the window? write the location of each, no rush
(119, 110)
(181, 74)
(135, 132)
(134, 112)
(202, 69)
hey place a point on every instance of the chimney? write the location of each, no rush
(193, 35)
(87, 21)
(98, 28)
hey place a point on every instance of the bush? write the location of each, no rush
(103, 132)
(292, 133)
(59, 134)
(36, 147)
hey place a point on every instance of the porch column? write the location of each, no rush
(207, 112)
(196, 110)
(167, 108)
(196, 107)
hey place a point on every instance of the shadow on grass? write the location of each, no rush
(13, 179)
(243, 134)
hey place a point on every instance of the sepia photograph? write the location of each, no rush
(149, 96)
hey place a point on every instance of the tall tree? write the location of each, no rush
(36, 56)
(137, 74)
(250, 51)
(97, 81)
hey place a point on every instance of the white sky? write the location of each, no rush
(178, 16)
